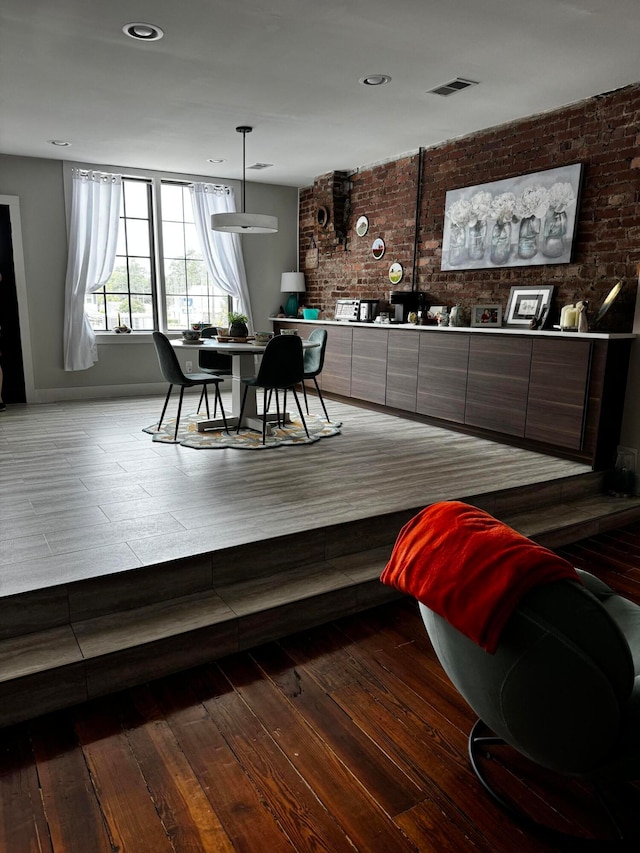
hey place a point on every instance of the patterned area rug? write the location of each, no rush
(246, 439)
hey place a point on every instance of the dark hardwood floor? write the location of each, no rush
(345, 737)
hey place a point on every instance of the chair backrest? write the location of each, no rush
(169, 364)
(314, 356)
(282, 363)
(555, 688)
(210, 359)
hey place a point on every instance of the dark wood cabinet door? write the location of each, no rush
(558, 392)
(369, 364)
(336, 373)
(442, 375)
(498, 383)
(402, 369)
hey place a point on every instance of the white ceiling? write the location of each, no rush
(290, 68)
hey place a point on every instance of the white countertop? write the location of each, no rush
(503, 330)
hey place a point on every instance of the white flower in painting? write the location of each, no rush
(502, 207)
(560, 197)
(480, 207)
(533, 201)
(460, 212)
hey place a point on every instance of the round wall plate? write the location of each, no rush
(395, 273)
(377, 250)
(322, 216)
(362, 226)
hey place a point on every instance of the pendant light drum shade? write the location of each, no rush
(244, 223)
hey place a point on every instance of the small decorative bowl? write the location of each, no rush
(191, 335)
(310, 313)
(122, 330)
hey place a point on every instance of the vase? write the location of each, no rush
(501, 242)
(528, 237)
(477, 237)
(457, 244)
(238, 330)
(553, 233)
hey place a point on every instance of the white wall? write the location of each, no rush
(38, 183)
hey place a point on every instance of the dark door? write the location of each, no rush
(13, 390)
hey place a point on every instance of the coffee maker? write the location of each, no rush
(403, 302)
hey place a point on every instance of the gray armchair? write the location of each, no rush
(561, 686)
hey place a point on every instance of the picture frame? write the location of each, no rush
(522, 221)
(486, 316)
(529, 303)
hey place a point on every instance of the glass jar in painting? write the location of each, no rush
(477, 237)
(500, 242)
(457, 244)
(528, 237)
(553, 233)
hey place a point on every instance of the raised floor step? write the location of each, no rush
(61, 665)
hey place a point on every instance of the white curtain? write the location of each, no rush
(93, 238)
(222, 251)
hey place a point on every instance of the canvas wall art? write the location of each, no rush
(516, 222)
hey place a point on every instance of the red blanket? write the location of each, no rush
(469, 568)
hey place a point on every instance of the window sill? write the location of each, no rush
(110, 338)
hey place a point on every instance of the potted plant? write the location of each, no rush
(238, 325)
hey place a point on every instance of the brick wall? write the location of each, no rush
(602, 133)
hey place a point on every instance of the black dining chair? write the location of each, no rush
(281, 369)
(210, 361)
(313, 364)
(172, 372)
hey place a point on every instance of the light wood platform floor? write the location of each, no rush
(123, 560)
(85, 493)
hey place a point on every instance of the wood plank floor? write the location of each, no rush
(341, 738)
(84, 492)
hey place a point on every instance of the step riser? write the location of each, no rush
(60, 605)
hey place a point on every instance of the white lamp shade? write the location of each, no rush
(244, 223)
(292, 282)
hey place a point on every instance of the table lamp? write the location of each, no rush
(293, 284)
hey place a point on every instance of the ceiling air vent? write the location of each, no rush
(260, 166)
(451, 88)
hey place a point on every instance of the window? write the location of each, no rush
(190, 295)
(157, 282)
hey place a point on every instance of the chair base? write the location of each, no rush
(478, 743)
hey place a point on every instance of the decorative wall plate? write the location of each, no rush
(395, 273)
(377, 250)
(322, 216)
(362, 226)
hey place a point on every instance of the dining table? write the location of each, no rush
(243, 364)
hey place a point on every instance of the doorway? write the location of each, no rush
(13, 387)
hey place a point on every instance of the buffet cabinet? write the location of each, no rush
(553, 392)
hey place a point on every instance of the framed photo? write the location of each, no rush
(487, 316)
(516, 222)
(527, 304)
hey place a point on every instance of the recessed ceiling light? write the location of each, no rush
(375, 80)
(143, 32)
(215, 162)
(59, 142)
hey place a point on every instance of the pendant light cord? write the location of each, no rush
(243, 129)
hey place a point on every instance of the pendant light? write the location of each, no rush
(244, 223)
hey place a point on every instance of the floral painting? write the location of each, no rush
(516, 222)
